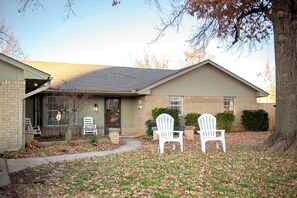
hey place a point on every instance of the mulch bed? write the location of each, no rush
(53, 148)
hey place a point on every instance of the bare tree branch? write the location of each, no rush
(174, 21)
(25, 4)
(3, 32)
(69, 10)
(9, 44)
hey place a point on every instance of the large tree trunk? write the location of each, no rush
(284, 18)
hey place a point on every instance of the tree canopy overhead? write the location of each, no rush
(234, 23)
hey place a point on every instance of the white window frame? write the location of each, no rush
(229, 104)
(177, 102)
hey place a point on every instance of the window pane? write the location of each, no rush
(229, 104)
(176, 103)
(55, 104)
(51, 120)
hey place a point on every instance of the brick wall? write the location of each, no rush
(10, 91)
(198, 104)
(138, 127)
(201, 104)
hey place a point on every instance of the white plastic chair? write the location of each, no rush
(208, 132)
(28, 127)
(89, 126)
(165, 124)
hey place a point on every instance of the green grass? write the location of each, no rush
(241, 172)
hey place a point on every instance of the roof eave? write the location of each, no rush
(261, 94)
(93, 92)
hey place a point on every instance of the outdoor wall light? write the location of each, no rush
(59, 116)
(139, 105)
(95, 108)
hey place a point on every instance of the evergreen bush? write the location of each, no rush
(149, 125)
(93, 140)
(224, 120)
(192, 120)
(255, 120)
(173, 112)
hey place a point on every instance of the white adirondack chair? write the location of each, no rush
(89, 126)
(208, 132)
(165, 124)
(28, 127)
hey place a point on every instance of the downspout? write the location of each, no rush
(21, 112)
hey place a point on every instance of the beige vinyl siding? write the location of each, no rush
(204, 81)
(128, 107)
(9, 72)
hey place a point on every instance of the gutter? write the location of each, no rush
(103, 92)
(21, 112)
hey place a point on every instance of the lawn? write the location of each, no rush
(241, 172)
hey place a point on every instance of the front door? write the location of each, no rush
(112, 113)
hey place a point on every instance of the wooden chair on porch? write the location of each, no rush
(28, 127)
(89, 126)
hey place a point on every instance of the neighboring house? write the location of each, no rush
(124, 97)
(117, 97)
(18, 81)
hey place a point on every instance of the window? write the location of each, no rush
(177, 102)
(229, 104)
(55, 104)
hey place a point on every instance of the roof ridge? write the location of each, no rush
(87, 64)
(64, 63)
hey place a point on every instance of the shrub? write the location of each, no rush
(6, 154)
(255, 120)
(93, 140)
(224, 120)
(32, 144)
(68, 136)
(173, 112)
(149, 124)
(192, 120)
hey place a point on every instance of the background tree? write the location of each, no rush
(196, 55)
(9, 44)
(151, 61)
(268, 76)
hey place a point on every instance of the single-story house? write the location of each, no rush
(123, 97)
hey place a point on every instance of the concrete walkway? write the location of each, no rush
(13, 165)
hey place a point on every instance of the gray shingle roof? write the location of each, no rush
(103, 79)
(98, 78)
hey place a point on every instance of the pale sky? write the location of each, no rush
(106, 35)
